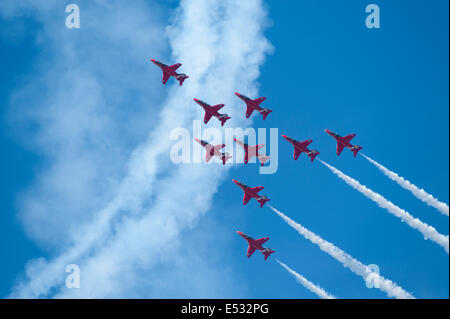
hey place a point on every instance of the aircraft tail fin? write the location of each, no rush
(262, 200)
(265, 112)
(263, 159)
(356, 149)
(267, 253)
(225, 157)
(223, 118)
(181, 78)
(313, 155)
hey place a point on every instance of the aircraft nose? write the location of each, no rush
(235, 181)
(237, 93)
(283, 135)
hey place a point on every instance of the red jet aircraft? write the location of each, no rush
(214, 151)
(252, 192)
(251, 151)
(344, 141)
(254, 105)
(212, 111)
(300, 147)
(254, 244)
(169, 71)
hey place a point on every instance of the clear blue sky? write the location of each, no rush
(389, 86)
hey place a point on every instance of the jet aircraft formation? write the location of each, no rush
(251, 151)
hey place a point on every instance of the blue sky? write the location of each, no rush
(327, 70)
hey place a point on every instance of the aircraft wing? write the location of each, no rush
(263, 158)
(261, 240)
(257, 189)
(207, 117)
(256, 148)
(297, 153)
(239, 142)
(175, 66)
(339, 148)
(165, 77)
(217, 148)
(305, 143)
(247, 197)
(216, 107)
(249, 111)
(259, 100)
(207, 156)
(349, 137)
(250, 251)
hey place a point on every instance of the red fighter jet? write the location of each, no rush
(300, 147)
(254, 244)
(214, 151)
(212, 111)
(169, 71)
(252, 192)
(344, 141)
(254, 105)
(251, 151)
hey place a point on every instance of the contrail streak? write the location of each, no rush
(307, 284)
(426, 230)
(416, 191)
(386, 285)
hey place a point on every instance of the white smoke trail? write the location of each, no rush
(426, 230)
(307, 284)
(386, 285)
(416, 191)
(140, 226)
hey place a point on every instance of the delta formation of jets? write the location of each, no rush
(250, 151)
